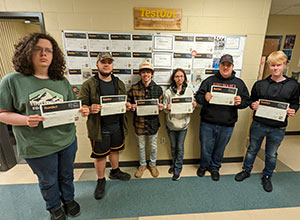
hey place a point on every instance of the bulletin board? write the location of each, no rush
(197, 54)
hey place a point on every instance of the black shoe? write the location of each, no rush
(171, 170)
(72, 208)
(267, 184)
(215, 176)
(201, 172)
(241, 176)
(119, 175)
(176, 177)
(58, 214)
(100, 189)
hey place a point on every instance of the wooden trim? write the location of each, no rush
(158, 162)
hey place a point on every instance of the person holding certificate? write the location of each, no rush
(146, 94)
(181, 97)
(106, 132)
(50, 152)
(218, 117)
(277, 95)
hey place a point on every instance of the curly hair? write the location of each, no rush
(173, 82)
(22, 58)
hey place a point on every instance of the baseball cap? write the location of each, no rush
(146, 65)
(103, 55)
(226, 58)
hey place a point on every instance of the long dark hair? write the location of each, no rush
(22, 58)
(173, 83)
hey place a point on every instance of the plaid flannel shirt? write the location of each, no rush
(145, 125)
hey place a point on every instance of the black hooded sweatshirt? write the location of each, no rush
(284, 91)
(221, 114)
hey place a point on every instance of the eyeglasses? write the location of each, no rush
(179, 77)
(38, 49)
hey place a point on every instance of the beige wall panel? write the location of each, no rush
(250, 72)
(100, 6)
(21, 5)
(124, 23)
(236, 146)
(51, 21)
(249, 83)
(56, 34)
(184, 25)
(81, 126)
(253, 8)
(293, 123)
(84, 149)
(2, 5)
(190, 7)
(256, 25)
(279, 24)
(57, 6)
(253, 49)
(286, 25)
(219, 9)
(213, 25)
(74, 21)
(154, 4)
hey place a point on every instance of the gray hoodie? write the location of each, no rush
(176, 122)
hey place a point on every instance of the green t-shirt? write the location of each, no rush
(24, 94)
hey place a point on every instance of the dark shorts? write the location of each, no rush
(110, 142)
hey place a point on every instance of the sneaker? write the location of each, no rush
(154, 171)
(267, 184)
(201, 172)
(140, 171)
(171, 170)
(58, 214)
(176, 177)
(100, 189)
(119, 175)
(215, 176)
(241, 176)
(72, 208)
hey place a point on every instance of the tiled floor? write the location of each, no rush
(288, 160)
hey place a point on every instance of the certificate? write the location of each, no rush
(181, 105)
(222, 95)
(60, 113)
(113, 104)
(163, 43)
(272, 109)
(98, 41)
(162, 77)
(121, 42)
(182, 60)
(76, 41)
(78, 59)
(147, 107)
(162, 60)
(142, 43)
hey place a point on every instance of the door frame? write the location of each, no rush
(36, 16)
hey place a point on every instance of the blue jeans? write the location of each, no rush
(214, 139)
(152, 139)
(177, 148)
(55, 174)
(274, 137)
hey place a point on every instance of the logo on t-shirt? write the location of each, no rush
(44, 96)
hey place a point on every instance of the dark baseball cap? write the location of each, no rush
(226, 58)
